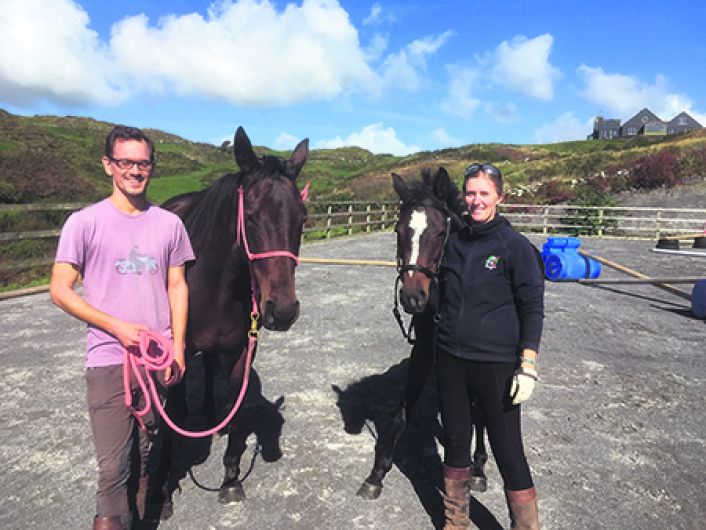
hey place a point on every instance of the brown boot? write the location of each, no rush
(457, 497)
(114, 522)
(141, 497)
(523, 509)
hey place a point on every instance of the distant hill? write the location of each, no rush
(57, 159)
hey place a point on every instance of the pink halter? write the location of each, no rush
(240, 232)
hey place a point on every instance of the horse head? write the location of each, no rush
(273, 216)
(428, 211)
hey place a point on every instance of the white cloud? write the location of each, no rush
(443, 138)
(565, 127)
(377, 16)
(522, 65)
(376, 47)
(624, 95)
(404, 69)
(459, 100)
(285, 141)
(242, 52)
(503, 112)
(373, 138)
(49, 53)
(247, 52)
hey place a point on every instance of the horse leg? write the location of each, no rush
(231, 490)
(479, 482)
(384, 453)
(421, 359)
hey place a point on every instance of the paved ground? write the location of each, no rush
(615, 433)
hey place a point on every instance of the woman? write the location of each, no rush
(492, 310)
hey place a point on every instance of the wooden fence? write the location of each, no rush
(331, 219)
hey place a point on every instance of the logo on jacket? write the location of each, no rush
(492, 262)
(136, 264)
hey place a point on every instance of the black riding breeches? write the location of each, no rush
(461, 381)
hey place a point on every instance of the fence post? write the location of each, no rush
(350, 219)
(600, 222)
(658, 215)
(384, 218)
(545, 221)
(328, 222)
(367, 218)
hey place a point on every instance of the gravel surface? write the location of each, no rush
(615, 433)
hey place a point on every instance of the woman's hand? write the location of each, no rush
(522, 385)
(525, 378)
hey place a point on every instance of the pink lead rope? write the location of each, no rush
(153, 362)
(163, 357)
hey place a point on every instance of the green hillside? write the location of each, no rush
(56, 159)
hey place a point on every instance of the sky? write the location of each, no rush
(390, 76)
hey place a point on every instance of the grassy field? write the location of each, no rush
(57, 159)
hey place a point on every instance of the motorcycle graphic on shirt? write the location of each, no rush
(136, 263)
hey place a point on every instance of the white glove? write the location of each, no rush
(522, 385)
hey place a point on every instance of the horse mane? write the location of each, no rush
(214, 214)
(421, 193)
(215, 211)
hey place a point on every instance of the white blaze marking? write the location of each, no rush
(417, 224)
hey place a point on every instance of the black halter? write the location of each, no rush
(433, 276)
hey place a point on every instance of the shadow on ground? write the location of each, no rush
(372, 402)
(257, 416)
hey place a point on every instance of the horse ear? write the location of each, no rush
(442, 183)
(245, 156)
(400, 186)
(299, 155)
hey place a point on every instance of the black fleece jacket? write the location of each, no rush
(492, 293)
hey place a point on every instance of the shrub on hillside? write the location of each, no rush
(655, 171)
(41, 177)
(692, 164)
(554, 192)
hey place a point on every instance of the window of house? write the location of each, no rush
(632, 131)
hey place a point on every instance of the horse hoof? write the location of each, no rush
(231, 494)
(479, 484)
(369, 491)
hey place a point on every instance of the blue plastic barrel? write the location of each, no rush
(698, 299)
(570, 266)
(562, 260)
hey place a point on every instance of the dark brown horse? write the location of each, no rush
(430, 209)
(231, 270)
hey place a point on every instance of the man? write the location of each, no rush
(131, 256)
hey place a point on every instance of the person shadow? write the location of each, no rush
(372, 402)
(258, 417)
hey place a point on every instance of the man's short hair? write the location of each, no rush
(122, 132)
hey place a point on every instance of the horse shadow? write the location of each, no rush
(372, 403)
(258, 417)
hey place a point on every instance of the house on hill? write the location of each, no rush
(645, 123)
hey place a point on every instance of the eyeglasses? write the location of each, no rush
(489, 169)
(126, 163)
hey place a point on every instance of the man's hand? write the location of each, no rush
(522, 385)
(171, 377)
(128, 333)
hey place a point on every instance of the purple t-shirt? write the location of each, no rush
(124, 260)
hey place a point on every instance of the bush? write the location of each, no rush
(554, 192)
(588, 221)
(655, 171)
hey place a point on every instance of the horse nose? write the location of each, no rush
(414, 300)
(279, 316)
